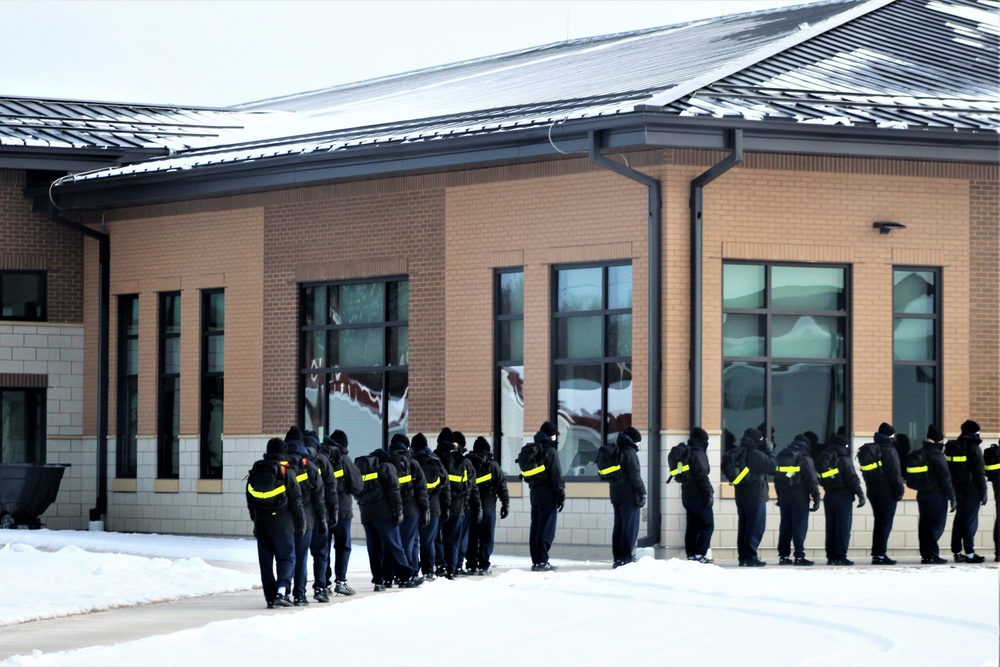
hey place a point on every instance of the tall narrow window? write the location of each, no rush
(23, 296)
(22, 426)
(916, 344)
(354, 358)
(213, 358)
(169, 398)
(128, 385)
(784, 347)
(508, 378)
(592, 360)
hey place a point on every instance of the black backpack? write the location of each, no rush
(958, 463)
(532, 464)
(609, 462)
(918, 474)
(434, 473)
(266, 489)
(371, 482)
(870, 461)
(679, 462)
(828, 471)
(789, 466)
(991, 457)
(734, 465)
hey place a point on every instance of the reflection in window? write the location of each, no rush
(213, 381)
(354, 338)
(508, 382)
(915, 351)
(128, 386)
(785, 350)
(23, 296)
(22, 427)
(592, 360)
(169, 398)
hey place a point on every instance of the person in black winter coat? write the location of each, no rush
(628, 496)
(840, 487)
(319, 546)
(492, 484)
(993, 475)
(314, 503)
(464, 493)
(968, 476)
(381, 515)
(933, 501)
(275, 531)
(473, 512)
(348, 487)
(795, 483)
(697, 497)
(751, 497)
(439, 502)
(884, 483)
(413, 492)
(547, 497)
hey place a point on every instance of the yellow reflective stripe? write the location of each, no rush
(789, 470)
(830, 473)
(369, 477)
(679, 469)
(534, 471)
(338, 473)
(871, 466)
(957, 459)
(465, 476)
(434, 484)
(455, 478)
(406, 479)
(301, 477)
(993, 466)
(485, 478)
(265, 494)
(611, 469)
(739, 478)
(916, 470)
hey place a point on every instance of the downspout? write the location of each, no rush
(697, 268)
(103, 301)
(652, 536)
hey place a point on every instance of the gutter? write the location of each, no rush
(697, 266)
(104, 241)
(655, 337)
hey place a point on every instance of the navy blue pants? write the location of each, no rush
(884, 511)
(699, 530)
(302, 545)
(341, 537)
(966, 523)
(439, 560)
(839, 516)
(275, 552)
(996, 524)
(451, 534)
(477, 556)
(542, 532)
(793, 527)
(385, 552)
(428, 536)
(319, 548)
(625, 530)
(409, 536)
(463, 539)
(933, 508)
(752, 518)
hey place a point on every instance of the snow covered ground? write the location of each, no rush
(649, 613)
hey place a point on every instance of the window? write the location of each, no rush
(213, 358)
(23, 296)
(592, 360)
(169, 397)
(128, 385)
(22, 425)
(916, 345)
(508, 378)
(354, 347)
(784, 351)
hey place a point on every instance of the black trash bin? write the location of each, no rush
(26, 491)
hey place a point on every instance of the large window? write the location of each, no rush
(128, 385)
(23, 296)
(354, 368)
(915, 350)
(213, 382)
(508, 379)
(169, 396)
(785, 350)
(22, 425)
(591, 359)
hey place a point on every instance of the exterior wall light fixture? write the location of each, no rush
(886, 227)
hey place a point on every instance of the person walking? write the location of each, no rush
(492, 485)
(884, 483)
(473, 509)
(547, 495)
(319, 546)
(628, 496)
(314, 504)
(275, 505)
(927, 473)
(968, 476)
(348, 488)
(751, 484)
(413, 492)
(381, 515)
(991, 459)
(439, 502)
(464, 493)
(840, 487)
(697, 498)
(795, 483)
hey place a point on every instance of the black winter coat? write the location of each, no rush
(553, 491)
(753, 488)
(849, 482)
(348, 481)
(310, 482)
(629, 485)
(696, 486)
(462, 483)
(937, 468)
(379, 499)
(292, 519)
(969, 477)
(806, 486)
(491, 481)
(412, 484)
(888, 484)
(331, 496)
(435, 478)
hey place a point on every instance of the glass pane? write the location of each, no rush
(314, 349)
(913, 292)
(578, 338)
(314, 305)
(742, 286)
(619, 378)
(913, 339)
(807, 336)
(312, 415)
(399, 301)
(399, 402)
(580, 418)
(619, 335)
(216, 315)
(914, 397)
(216, 358)
(357, 304)
(807, 288)
(211, 464)
(171, 314)
(169, 429)
(808, 397)
(132, 356)
(511, 415)
(355, 407)
(742, 400)
(399, 340)
(172, 355)
(127, 451)
(511, 340)
(15, 429)
(580, 289)
(130, 315)
(22, 295)
(620, 286)
(511, 294)
(743, 335)
(357, 347)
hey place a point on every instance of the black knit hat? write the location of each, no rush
(459, 440)
(419, 441)
(481, 446)
(339, 438)
(276, 446)
(294, 434)
(969, 427)
(934, 434)
(838, 440)
(753, 434)
(446, 436)
(886, 429)
(399, 443)
(698, 433)
(634, 434)
(549, 429)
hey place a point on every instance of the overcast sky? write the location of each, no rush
(225, 52)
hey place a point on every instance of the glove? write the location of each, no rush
(479, 516)
(332, 521)
(710, 502)
(425, 520)
(445, 513)
(397, 518)
(504, 511)
(815, 506)
(777, 503)
(861, 501)
(322, 527)
(559, 507)
(954, 505)
(641, 501)
(985, 499)
(300, 532)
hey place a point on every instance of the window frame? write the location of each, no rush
(206, 469)
(43, 288)
(938, 329)
(35, 398)
(126, 454)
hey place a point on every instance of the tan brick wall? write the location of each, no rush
(984, 297)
